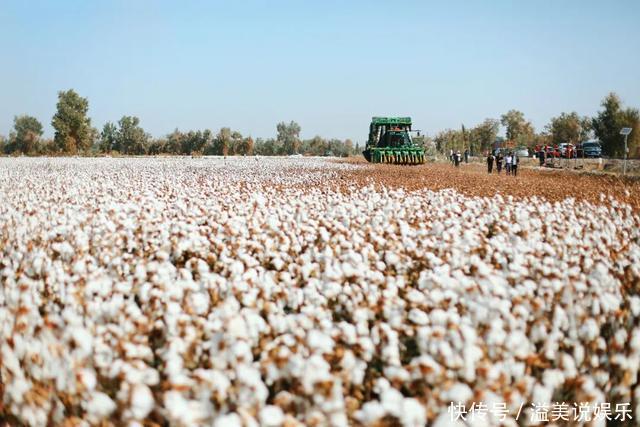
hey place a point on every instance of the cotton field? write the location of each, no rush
(282, 292)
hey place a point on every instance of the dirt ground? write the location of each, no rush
(473, 179)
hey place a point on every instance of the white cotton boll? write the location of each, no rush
(370, 413)
(237, 328)
(418, 317)
(589, 330)
(315, 370)
(348, 333)
(141, 401)
(634, 304)
(277, 263)
(228, 420)
(319, 342)
(88, 378)
(416, 297)
(519, 344)
(83, 341)
(634, 343)
(413, 414)
(392, 400)
(438, 317)
(271, 416)
(396, 373)
(552, 378)
(459, 392)
(621, 337)
(199, 301)
(541, 393)
(64, 249)
(99, 406)
(176, 405)
(471, 355)
(79, 268)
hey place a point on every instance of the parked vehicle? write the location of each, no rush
(522, 152)
(589, 149)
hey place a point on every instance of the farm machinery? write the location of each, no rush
(390, 142)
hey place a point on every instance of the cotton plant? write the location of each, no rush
(269, 292)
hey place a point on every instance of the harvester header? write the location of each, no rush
(390, 142)
(379, 121)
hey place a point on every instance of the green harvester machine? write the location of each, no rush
(390, 142)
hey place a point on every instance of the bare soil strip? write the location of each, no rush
(473, 180)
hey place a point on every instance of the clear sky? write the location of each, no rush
(329, 65)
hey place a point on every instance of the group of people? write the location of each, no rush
(455, 157)
(510, 161)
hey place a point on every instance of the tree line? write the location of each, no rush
(75, 135)
(564, 128)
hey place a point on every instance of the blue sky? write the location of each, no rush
(329, 65)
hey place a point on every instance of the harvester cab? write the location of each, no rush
(390, 142)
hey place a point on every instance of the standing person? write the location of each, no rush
(466, 155)
(456, 158)
(499, 160)
(541, 155)
(507, 163)
(451, 155)
(514, 164)
(489, 162)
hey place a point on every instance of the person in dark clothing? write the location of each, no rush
(541, 155)
(489, 162)
(456, 158)
(514, 164)
(466, 155)
(499, 160)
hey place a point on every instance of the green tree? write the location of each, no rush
(73, 128)
(348, 147)
(608, 123)
(289, 137)
(246, 146)
(27, 133)
(315, 146)
(448, 139)
(483, 136)
(174, 142)
(109, 138)
(569, 128)
(519, 130)
(235, 145)
(132, 139)
(222, 142)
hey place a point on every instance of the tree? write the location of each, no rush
(235, 146)
(73, 128)
(483, 136)
(519, 130)
(348, 146)
(27, 132)
(447, 140)
(109, 138)
(569, 128)
(609, 121)
(222, 142)
(132, 139)
(247, 146)
(289, 137)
